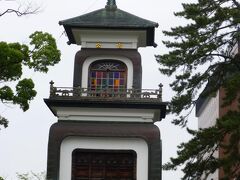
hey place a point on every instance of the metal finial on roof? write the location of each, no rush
(111, 4)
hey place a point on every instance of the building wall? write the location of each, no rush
(106, 114)
(69, 144)
(222, 111)
(209, 112)
(207, 118)
(131, 136)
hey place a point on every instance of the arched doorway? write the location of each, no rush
(103, 165)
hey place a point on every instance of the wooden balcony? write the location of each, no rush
(154, 95)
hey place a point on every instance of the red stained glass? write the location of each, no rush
(99, 82)
(99, 75)
(104, 74)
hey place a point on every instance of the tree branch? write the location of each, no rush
(28, 10)
(236, 3)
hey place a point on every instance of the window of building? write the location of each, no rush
(107, 75)
(103, 165)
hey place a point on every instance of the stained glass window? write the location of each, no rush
(107, 74)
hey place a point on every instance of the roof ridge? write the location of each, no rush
(111, 5)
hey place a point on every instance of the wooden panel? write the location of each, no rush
(103, 165)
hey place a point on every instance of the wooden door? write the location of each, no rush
(103, 165)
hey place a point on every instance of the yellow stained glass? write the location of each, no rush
(94, 82)
(116, 82)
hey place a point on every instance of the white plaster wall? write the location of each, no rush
(105, 114)
(207, 118)
(90, 60)
(235, 49)
(210, 113)
(71, 143)
(109, 38)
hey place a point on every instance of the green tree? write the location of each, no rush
(200, 53)
(41, 53)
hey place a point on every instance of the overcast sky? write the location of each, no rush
(23, 145)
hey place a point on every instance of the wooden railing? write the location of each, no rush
(78, 92)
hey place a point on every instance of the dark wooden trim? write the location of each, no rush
(150, 31)
(131, 54)
(148, 132)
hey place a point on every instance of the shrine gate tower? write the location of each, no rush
(105, 128)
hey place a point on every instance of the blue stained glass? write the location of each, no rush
(110, 81)
(94, 74)
(116, 74)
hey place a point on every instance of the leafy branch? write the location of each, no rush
(13, 56)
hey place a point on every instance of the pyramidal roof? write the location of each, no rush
(109, 17)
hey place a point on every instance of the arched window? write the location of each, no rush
(108, 75)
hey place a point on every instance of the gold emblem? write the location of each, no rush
(119, 45)
(98, 45)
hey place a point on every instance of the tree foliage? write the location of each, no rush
(201, 53)
(198, 153)
(31, 176)
(41, 53)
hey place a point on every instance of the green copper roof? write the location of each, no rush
(109, 17)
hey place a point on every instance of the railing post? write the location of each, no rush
(77, 91)
(160, 91)
(52, 89)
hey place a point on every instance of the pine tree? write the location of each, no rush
(201, 53)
